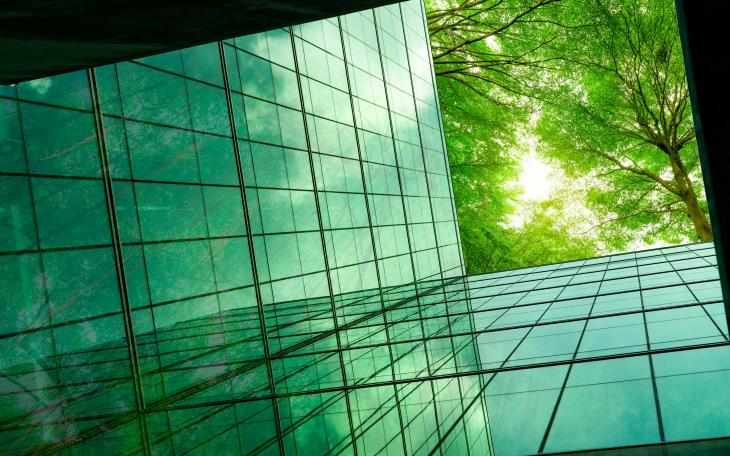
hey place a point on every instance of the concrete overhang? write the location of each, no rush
(45, 37)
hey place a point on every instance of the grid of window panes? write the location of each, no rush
(193, 240)
(250, 247)
(615, 351)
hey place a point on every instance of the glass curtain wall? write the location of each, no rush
(209, 249)
(622, 350)
(250, 247)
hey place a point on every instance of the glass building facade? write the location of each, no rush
(250, 247)
(206, 240)
(623, 350)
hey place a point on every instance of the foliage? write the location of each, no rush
(628, 121)
(601, 84)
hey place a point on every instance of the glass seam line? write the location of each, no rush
(655, 393)
(249, 239)
(554, 412)
(446, 153)
(204, 207)
(119, 259)
(724, 336)
(371, 230)
(512, 352)
(430, 207)
(51, 326)
(377, 32)
(320, 221)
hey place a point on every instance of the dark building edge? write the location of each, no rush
(703, 32)
(40, 38)
(706, 447)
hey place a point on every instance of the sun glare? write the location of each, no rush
(535, 179)
(493, 43)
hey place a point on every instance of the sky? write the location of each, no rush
(537, 181)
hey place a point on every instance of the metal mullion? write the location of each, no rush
(488, 371)
(377, 421)
(439, 377)
(45, 175)
(324, 356)
(480, 331)
(317, 315)
(420, 140)
(358, 327)
(446, 164)
(372, 234)
(421, 412)
(160, 405)
(382, 384)
(608, 256)
(405, 213)
(249, 238)
(701, 304)
(415, 345)
(419, 341)
(477, 354)
(231, 43)
(197, 420)
(201, 187)
(142, 244)
(41, 263)
(323, 406)
(188, 298)
(232, 319)
(43, 103)
(657, 405)
(53, 249)
(583, 283)
(153, 123)
(395, 149)
(430, 203)
(183, 240)
(166, 182)
(483, 389)
(349, 325)
(454, 353)
(173, 73)
(51, 325)
(328, 271)
(554, 413)
(283, 352)
(119, 260)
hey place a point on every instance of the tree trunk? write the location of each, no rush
(699, 218)
(689, 197)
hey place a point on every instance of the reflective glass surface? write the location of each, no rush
(250, 247)
(200, 246)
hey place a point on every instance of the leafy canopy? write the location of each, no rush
(599, 89)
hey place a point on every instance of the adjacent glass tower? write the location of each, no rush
(250, 247)
(616, 351)
(186, 240)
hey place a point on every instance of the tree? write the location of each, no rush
(620, 111)
(467, 38)
(485, 54)
(605, 79)
(477, 139)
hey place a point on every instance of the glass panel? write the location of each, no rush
(606, 403)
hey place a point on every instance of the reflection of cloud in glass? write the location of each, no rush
(42, 86)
